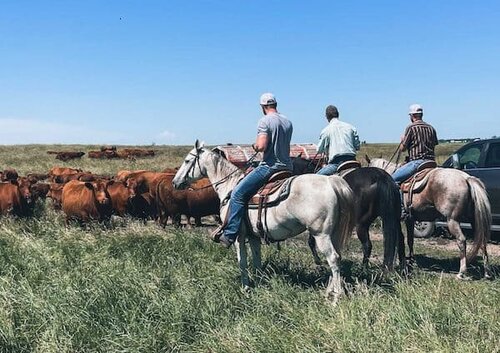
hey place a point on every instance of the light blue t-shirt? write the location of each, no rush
(338, 139)
(279, 133)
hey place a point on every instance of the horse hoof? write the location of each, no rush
(488, 276)
(463, 277)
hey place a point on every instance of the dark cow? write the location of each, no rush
(86, 201)
(39, 190)
(66, 156)
(10, 175)
(36, 177)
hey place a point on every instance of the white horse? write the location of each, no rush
(322, 205)
(458, 197)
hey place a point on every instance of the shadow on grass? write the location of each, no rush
(317, 277)
(451, 266)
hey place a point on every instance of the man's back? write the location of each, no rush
(338, 138)
(279, 131)
(420, 138)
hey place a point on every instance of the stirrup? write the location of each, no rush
(217, 233)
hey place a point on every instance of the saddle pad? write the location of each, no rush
(417, 182)
(278, 193)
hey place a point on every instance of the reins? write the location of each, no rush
(224, 179)
(398, 151)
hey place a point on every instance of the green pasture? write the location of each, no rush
(135, 287)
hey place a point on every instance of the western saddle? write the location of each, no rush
(347, 167)
(417, 182)
(272, 193)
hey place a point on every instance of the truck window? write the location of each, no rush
(469, 158)
(493, 156)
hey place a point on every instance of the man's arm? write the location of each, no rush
(260, 144)
(355, 139)
(323, 143)
(405, 140)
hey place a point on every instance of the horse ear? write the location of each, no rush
(367, 159)
(219, 152)
(199, 145)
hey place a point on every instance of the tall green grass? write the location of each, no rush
(135, 287)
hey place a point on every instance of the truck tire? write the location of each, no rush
(424, 229)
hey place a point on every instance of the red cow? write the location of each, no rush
(85, 201)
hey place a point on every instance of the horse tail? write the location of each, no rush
(482, 215)
(346, 220)
(390, 211)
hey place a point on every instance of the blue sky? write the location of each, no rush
(137, 72)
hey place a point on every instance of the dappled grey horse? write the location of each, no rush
(322, 205)
(458, 197)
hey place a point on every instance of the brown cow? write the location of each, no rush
(102, 154)
(10, 199)
(55, 193)
(85, 201)
(57, 171)
(16, 197)
(192, 203)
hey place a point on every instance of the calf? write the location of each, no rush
(85, 201)
(55, 193)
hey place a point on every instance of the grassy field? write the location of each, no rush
(138, 288)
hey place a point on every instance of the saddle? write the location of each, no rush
(417, 182)
(347, 167)
(271, 194)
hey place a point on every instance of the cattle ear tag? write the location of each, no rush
(89, 186)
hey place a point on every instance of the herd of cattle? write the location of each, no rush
(84, 196)
(106, 152)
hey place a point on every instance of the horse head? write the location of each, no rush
(191, 169)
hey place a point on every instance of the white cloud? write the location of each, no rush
(166, 136)
(26, 131)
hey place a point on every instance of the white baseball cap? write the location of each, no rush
(416, 109)
(267, 99)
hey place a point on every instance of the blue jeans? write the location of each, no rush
(406, 170)
(241, 194)
(331, 167)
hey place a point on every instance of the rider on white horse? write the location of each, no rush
(274, 132)
(339, 139)
(419, 139)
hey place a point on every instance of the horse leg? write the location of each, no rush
(255, 248)
(456, 231)
(335, 288)
(487, 270)
(364, 238)
(312, 245)
(241, 252)
(410, 224)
